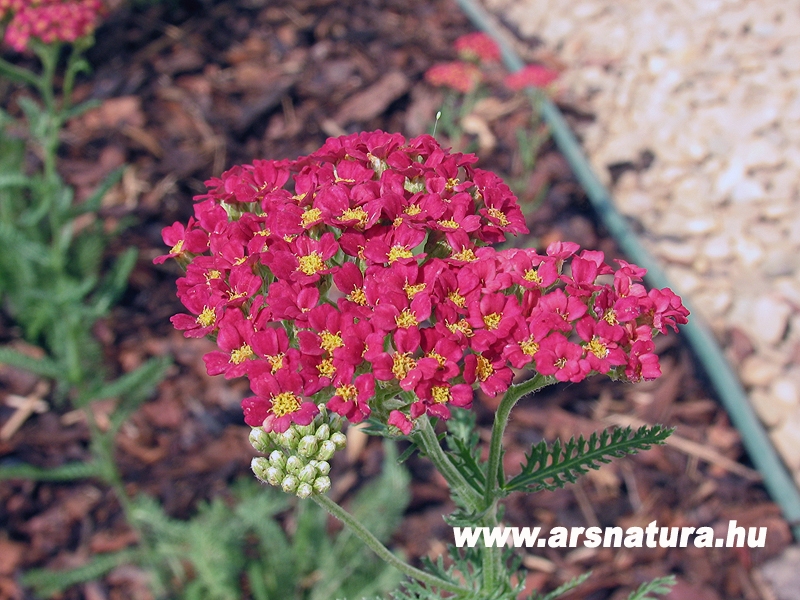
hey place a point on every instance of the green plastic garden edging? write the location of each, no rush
(777, 480)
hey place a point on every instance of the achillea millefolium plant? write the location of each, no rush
(359, 283)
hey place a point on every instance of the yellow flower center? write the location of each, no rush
(285, 403)
(177, 248)
(484, 369)
(457, 299)
(239, 261)
(213, 274)
(207, 317)
(467, 255)
(348, 392)
(449, 224)
(451, 184)
(241, 354)
(439, 358)
(399, 252)
(326, 368)
(412, 210)
(406, 319)
(441, 394)
(492, 321)
(402, 363)
(311, 263)
(610, 317)
(330, 341)
(461, 326)
(276, 361)
(355, 214)
(413, 290)
(358, 296)
(499, 215)
(529, 347)
(561, 363)
(532, 275)
(596, 347)
(309, 216)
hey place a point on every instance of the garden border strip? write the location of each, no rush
(777, 479)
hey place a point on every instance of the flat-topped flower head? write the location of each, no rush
(459, 76)
(50, 21)
(364, 269)
(478, 47)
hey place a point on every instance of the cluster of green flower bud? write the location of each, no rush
(297, 460)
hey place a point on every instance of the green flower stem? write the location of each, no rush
(512, 396)
(382, 551)
(493, 571)
(430, 444)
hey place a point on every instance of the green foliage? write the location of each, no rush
(238, 549)
(661, 586)
(464, 446)
(229, 551)
(46, 582)
(552, 468)
(563, 589)
(68, 472)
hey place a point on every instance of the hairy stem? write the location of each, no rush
(458, 484)
(382, 551)
(493, 572)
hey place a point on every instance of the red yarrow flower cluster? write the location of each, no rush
(537, 76)
(49, 20)
(457, 75)
(477, 47)
(361, 276)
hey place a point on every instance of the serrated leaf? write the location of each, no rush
(564, 588)
(48, 582)
(46, 367)
(68, 472)
(661, 586)
(552, 468)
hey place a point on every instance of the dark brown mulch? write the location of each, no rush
(190, 89)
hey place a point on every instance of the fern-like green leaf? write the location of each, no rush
(563, 589)
(44, 366)
(661, 586)
(552, 468)
(47, 582)
(67, 472)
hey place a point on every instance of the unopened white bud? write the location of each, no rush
(277, 459)
(294, 464)
(289, 438)
(339, 439)
(274, 476)
(307, 446)
(323, 432)
(326, 450)
(307, 474)
(289, 484)
(323, 467)
(259, 465)
(259, 439)
(304, 490)
(322, 485)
